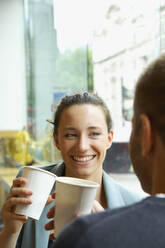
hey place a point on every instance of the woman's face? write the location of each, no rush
(83, 139)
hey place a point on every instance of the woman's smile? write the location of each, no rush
(83, 160)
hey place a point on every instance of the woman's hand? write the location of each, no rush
(50, 225)
(18, 195)
(96, 207)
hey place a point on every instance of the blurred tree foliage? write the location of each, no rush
(90, 71)
(74, 70)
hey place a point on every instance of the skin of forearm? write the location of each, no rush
(8, 240)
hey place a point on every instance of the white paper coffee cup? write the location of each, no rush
(73, 196)
(40, 182)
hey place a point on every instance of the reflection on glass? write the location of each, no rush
(70, 46)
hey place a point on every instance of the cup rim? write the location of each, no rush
(86, 183)
(39, 169)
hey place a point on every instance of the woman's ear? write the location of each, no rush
(56, 140)
(147, 135)
(110, 139)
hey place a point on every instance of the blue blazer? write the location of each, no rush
(33, 234)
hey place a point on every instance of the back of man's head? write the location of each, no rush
(150, 95)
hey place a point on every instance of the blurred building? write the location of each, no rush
(132, 34)
(41, 56)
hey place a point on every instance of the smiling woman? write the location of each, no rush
(83, 139)
(82, 133)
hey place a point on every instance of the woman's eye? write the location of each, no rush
(95, 134)
(70, 135)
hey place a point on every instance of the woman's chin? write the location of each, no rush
(82, 172)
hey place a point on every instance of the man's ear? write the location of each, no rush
(147, 136)
(110, 139)
(56, 140)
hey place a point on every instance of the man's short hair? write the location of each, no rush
(150, 95)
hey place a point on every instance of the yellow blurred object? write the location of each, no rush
(8, 133)
(131, 169)
(6, 178)
(19, 148)
(42, 150)
(8, 174)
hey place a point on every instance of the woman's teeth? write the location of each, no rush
(84, 159)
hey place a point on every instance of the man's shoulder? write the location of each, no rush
(110, 220)
(129, 226)
(85, 230)
(127, 216)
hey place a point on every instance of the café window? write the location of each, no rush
(52, 48)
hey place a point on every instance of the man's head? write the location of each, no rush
(148, 132)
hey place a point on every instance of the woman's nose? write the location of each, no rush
(83, 143)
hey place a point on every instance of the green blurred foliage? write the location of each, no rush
(74, 69)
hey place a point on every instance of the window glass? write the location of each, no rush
(52, 48)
